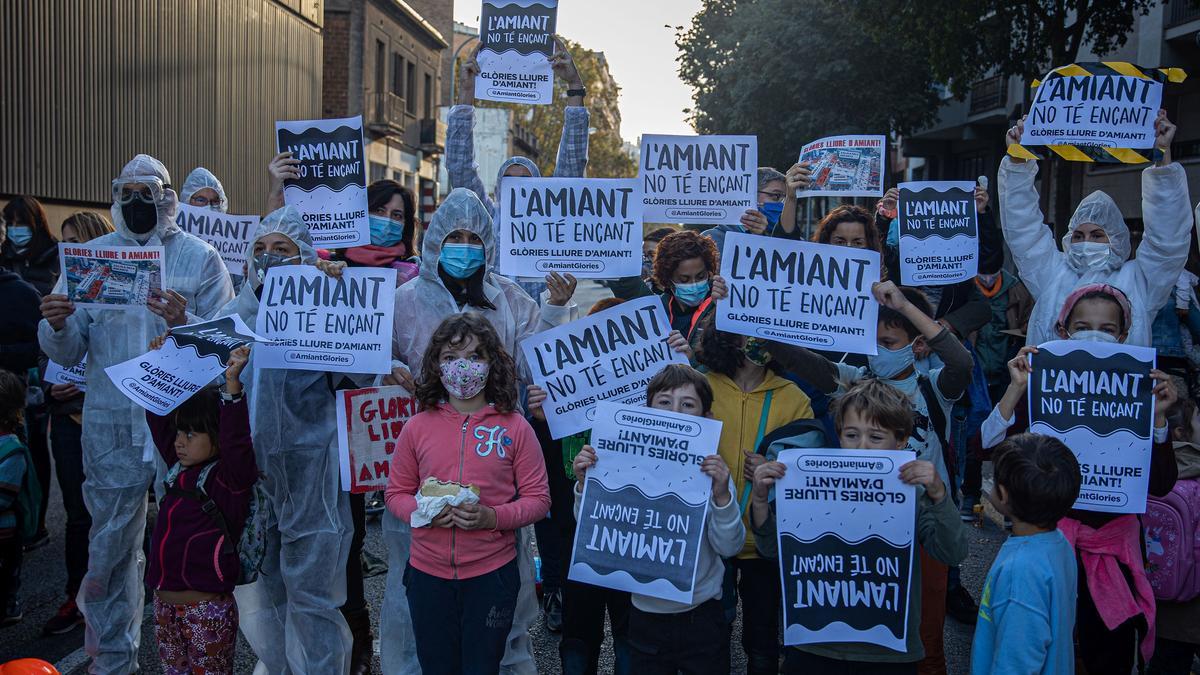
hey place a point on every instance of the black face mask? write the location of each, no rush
(140, 217)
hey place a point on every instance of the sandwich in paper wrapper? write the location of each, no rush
(436, 495)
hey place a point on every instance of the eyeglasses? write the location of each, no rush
(199, 200)
(773, 196)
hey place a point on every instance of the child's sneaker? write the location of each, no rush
(967, 511)
(66, 620)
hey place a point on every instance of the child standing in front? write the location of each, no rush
(19, 495)
(1027, 610)
(194, 563)
(462, 577)
(667, 637)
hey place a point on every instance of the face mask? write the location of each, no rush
(265, 261)
(464, 379)
(1089, 256)
(140, 217)
(1093, 336)
(20, 235)
(890, 363)
(461, 260)
(772, 210)
(385, 231)
(755, 351)
(692, 294)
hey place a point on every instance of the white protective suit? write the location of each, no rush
(199, 179)
(1048, 272)
(291, 616)
(421, 305)
(118, 454)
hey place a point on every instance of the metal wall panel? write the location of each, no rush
(84, 86)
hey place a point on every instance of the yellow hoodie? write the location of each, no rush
(740, 412)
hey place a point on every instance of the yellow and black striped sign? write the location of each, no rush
(1096, 153)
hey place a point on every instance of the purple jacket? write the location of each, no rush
(188, 552)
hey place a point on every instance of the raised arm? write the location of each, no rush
(1023, 223)
(460, 136)
(573, 145)
(1166, 210)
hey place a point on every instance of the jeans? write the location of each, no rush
(695, 642)
(356, 600)
(584, 606)
(36, 421)
(802, 663)
(66, 442)
(462, 625)
(550, 548)
(1172, 658)
(756, 581)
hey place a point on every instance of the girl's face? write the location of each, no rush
(1089, 232)
(860, 433)
(277, 243)
(1095, 314)
(193, 447)
(467, 348)
(850, 234)
(690, 271)
(680, 399)
(461, 237)
(70, 235)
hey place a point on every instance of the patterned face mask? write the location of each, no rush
(755, 351)
(464, 379)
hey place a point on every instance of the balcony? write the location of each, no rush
(1182, 11)
(989, 94)
(433, 136)
(386, 116)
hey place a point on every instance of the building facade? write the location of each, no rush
(84, 86)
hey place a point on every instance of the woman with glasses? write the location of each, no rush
(201, 188)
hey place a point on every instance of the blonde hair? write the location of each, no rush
(88, 225)
(876, 401)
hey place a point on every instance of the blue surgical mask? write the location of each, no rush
(772, 210)
(1094, 336)
(889, 363)
(461, 260)
(385, 231)
(692, 294)
(20, 235)
(893, 235)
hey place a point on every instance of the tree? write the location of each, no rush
(792, 71)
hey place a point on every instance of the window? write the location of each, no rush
(380, 64)
(398, 75)
(428, 96)
(410, 85)
(376, 171)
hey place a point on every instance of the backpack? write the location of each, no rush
(1172, 535)
(29, 497)
(937, 420)
(251, 549)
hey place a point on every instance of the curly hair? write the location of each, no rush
(501, 387)
(12, 402)
(681, 246)
(848, 213)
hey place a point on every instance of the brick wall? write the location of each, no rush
(335, 87)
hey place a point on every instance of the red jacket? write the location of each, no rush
(496, 452)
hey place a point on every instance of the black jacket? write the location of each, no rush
(40, 268)
(20, 305)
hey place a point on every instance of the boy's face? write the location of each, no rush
(193, 447)
(860, 433)
(680, 399)
(892, 337)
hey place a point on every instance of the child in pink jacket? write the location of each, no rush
(462, 578)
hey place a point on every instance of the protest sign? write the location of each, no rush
(845, 166)
(319, 322)
(845, 526)
(111, 277)
(645, 502)
(56, 373)
(331, 193)
(811, 295)
(1098, 399)
(517, 37)
(939, 233)
(230, 235)
(698, 179)
(369, 423)
(608, 355)
(191, 357)
(588, 227)
(1092, 104)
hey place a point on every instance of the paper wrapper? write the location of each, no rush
(428, 507)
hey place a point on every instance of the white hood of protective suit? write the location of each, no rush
(199, 179)
(460, 210)
(285, 221)
(145, 165)
(1100, 209)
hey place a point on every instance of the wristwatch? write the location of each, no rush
(580, 92)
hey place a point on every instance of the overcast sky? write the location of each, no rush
(641, 54)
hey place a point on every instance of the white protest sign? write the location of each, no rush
(111, 277)
(331, 193)
(1106, 110)
(805, 294)
(1097, 398)
(517, 38)
(588, 227)
(845, 526)
(939, 233)
(642, 516)
(608, 355)
(229, 234)
(56, 373)
(191, 357)
(698, 179)
(369, 423)
(335, 324)
(845, 166)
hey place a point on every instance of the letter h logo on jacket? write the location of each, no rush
(491, 438)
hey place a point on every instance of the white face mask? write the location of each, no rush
(1089, 256)
(1093, 336)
